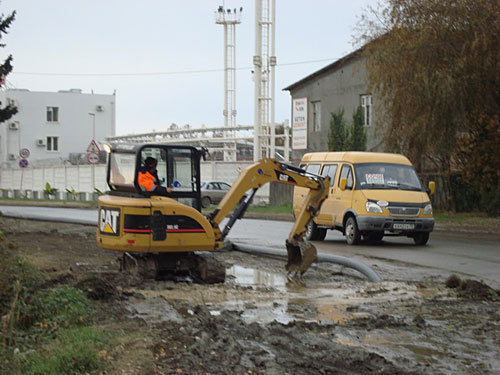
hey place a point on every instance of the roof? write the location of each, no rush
(333, 66)
(355, 157)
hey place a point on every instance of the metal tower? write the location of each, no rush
(229, 18)
(264, 62)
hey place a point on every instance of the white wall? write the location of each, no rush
(75, 127)
(84, 178)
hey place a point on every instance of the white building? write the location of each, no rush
(53, 125)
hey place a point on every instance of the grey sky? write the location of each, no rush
(122, 36)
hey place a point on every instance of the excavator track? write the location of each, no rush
(202, 267)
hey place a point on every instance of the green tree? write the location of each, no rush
(434, 66)
(339, 134)
(357, 135)
(8, 111)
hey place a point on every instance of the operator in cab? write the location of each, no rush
(148, 180)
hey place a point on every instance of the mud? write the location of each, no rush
(331, 322)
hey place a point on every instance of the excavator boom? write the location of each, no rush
(300, 254)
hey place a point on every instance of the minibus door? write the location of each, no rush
(343, 199)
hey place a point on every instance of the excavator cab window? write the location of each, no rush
(178, 168)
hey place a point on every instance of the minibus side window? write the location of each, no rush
(330, 170)
(346, 172)
(313, 168)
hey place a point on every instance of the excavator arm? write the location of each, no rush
(300, 253)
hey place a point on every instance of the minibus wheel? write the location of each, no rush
(421, 238)
(352, 233)
(313, 233)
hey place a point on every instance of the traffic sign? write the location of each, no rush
(93, 147)
(24, 153)
(23, 163)
(93, 157)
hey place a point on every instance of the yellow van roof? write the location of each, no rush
(355, 157)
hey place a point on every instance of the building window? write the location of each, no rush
(52, 114)
(366, 106)
(52, 143)
(316, 116)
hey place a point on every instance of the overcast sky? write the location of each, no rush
(160, 36)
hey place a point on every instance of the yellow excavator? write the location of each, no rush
(168, 234)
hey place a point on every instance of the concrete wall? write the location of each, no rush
(75, 127)
(84, 178)
(342, 87)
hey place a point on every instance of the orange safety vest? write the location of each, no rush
(146, 181)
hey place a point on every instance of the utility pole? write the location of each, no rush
(264, 62)
(229, 18)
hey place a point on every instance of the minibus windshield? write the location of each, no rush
(386, 176)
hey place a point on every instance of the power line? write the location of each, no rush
(155, 73)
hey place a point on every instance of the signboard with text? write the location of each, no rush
(299, 124)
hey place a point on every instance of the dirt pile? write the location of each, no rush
(471, 289)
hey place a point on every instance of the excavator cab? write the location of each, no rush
(178, 168)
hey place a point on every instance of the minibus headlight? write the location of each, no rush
(373, 208)
(428, 209)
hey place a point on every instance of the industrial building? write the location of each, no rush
(55, 127)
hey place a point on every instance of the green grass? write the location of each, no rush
(50, 326)
(466, 219)
(74, 351)
(284, 208)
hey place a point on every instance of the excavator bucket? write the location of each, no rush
(301, 255)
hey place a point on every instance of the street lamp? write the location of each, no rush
(93, 125)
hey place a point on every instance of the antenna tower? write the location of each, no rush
(229, 18)
(264, 62)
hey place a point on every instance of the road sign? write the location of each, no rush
(93, 157)
(24, 153)
(23, 163)
(93, 147)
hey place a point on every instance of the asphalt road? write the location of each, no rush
(471, 254)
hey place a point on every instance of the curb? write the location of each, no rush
(250, 215)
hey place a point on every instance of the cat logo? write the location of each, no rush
(284, 177)
(109, 221)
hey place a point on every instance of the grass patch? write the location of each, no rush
(74, 351)
(50, 328)
(279, 209)
(466, 219)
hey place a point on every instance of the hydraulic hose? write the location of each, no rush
(329, 258)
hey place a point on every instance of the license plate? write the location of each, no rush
(403, 226)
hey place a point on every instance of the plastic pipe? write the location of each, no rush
(329, 258)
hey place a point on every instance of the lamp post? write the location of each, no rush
(93, 166)
(93, 124)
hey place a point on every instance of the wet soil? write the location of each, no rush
(332, 321)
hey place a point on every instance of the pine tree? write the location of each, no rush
(357, 139)
(8, 111)
(338, 137)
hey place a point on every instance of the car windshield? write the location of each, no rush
(386, 176)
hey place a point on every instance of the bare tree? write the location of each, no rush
(434, 65)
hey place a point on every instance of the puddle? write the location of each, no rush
(256, 278)
(262, 297)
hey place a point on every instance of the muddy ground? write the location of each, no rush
(331, 322)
